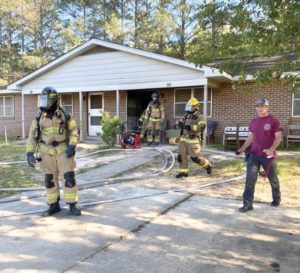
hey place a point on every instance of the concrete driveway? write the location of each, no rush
(149, 230)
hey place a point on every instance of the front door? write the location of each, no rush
(137, 102)
(95, 113)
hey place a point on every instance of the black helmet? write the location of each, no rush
(48, 98)
(154, 94)
(155, 97)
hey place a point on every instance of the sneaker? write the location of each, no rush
(156, 143)
(53, 208)
(74, 209)
(245, 208)
(180, 175)
(275, 203)
(149, 144)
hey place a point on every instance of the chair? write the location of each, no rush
(210, 134)
(233, 135)
(293, 134)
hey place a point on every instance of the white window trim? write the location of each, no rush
(13, 106)
(72, 105)
(293, 100)
(192, 95)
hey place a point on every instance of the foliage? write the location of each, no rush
(111, 127)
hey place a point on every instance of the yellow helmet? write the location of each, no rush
(193, 101)
(192, 105)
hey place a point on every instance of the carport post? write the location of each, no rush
(118, 103)
(23, 115)
(80, 116)
(205, 113)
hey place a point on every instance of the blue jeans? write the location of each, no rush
(253, 166)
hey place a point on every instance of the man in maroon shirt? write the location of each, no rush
(264, 138)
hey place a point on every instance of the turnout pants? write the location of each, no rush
(253, 166)
(194, 151)
(53, 166)
(153, 128)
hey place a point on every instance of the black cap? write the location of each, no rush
(262, 101)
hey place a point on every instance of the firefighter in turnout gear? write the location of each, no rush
(191, 127)
(154, 116)
(55, 134)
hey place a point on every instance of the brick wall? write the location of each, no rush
(167, 98)
(231, 107)
(110, 104)
(13, 124)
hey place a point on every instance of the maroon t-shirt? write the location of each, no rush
(263, 130)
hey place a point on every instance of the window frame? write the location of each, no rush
(295, 99)
(192, 96)
(4, 107)
(69, 105)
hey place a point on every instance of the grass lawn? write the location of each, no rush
(288, 173)
(17, 175)
(21, 175)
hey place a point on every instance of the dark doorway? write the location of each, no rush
(137, 102)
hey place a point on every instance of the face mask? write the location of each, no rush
(46, 102)
(188, 108)
(43, 103)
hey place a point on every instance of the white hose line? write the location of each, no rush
(88, 204)
(79, 156)
(98, 183)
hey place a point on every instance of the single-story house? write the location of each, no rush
(101, 76)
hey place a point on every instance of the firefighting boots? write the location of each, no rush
(209, 168)
(180, 175)
(53, 208)
(74, 209)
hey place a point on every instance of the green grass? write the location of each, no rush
(21, 175)
(288, 169)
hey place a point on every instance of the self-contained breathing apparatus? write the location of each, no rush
(63, 127)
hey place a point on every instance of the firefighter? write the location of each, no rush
(55, 134)
(154, 116)
(191, 127)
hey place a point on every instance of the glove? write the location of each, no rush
(30, 159)
(70, 151)
(238, 152)
(187, 127)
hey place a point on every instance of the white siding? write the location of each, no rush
(114, 70)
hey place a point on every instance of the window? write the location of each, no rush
(66, 100)
(296, 104)
(182, 96)
(6, 106)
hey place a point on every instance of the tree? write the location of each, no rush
(264, 29)
(185, 26)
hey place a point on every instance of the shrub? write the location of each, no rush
(111, 127)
